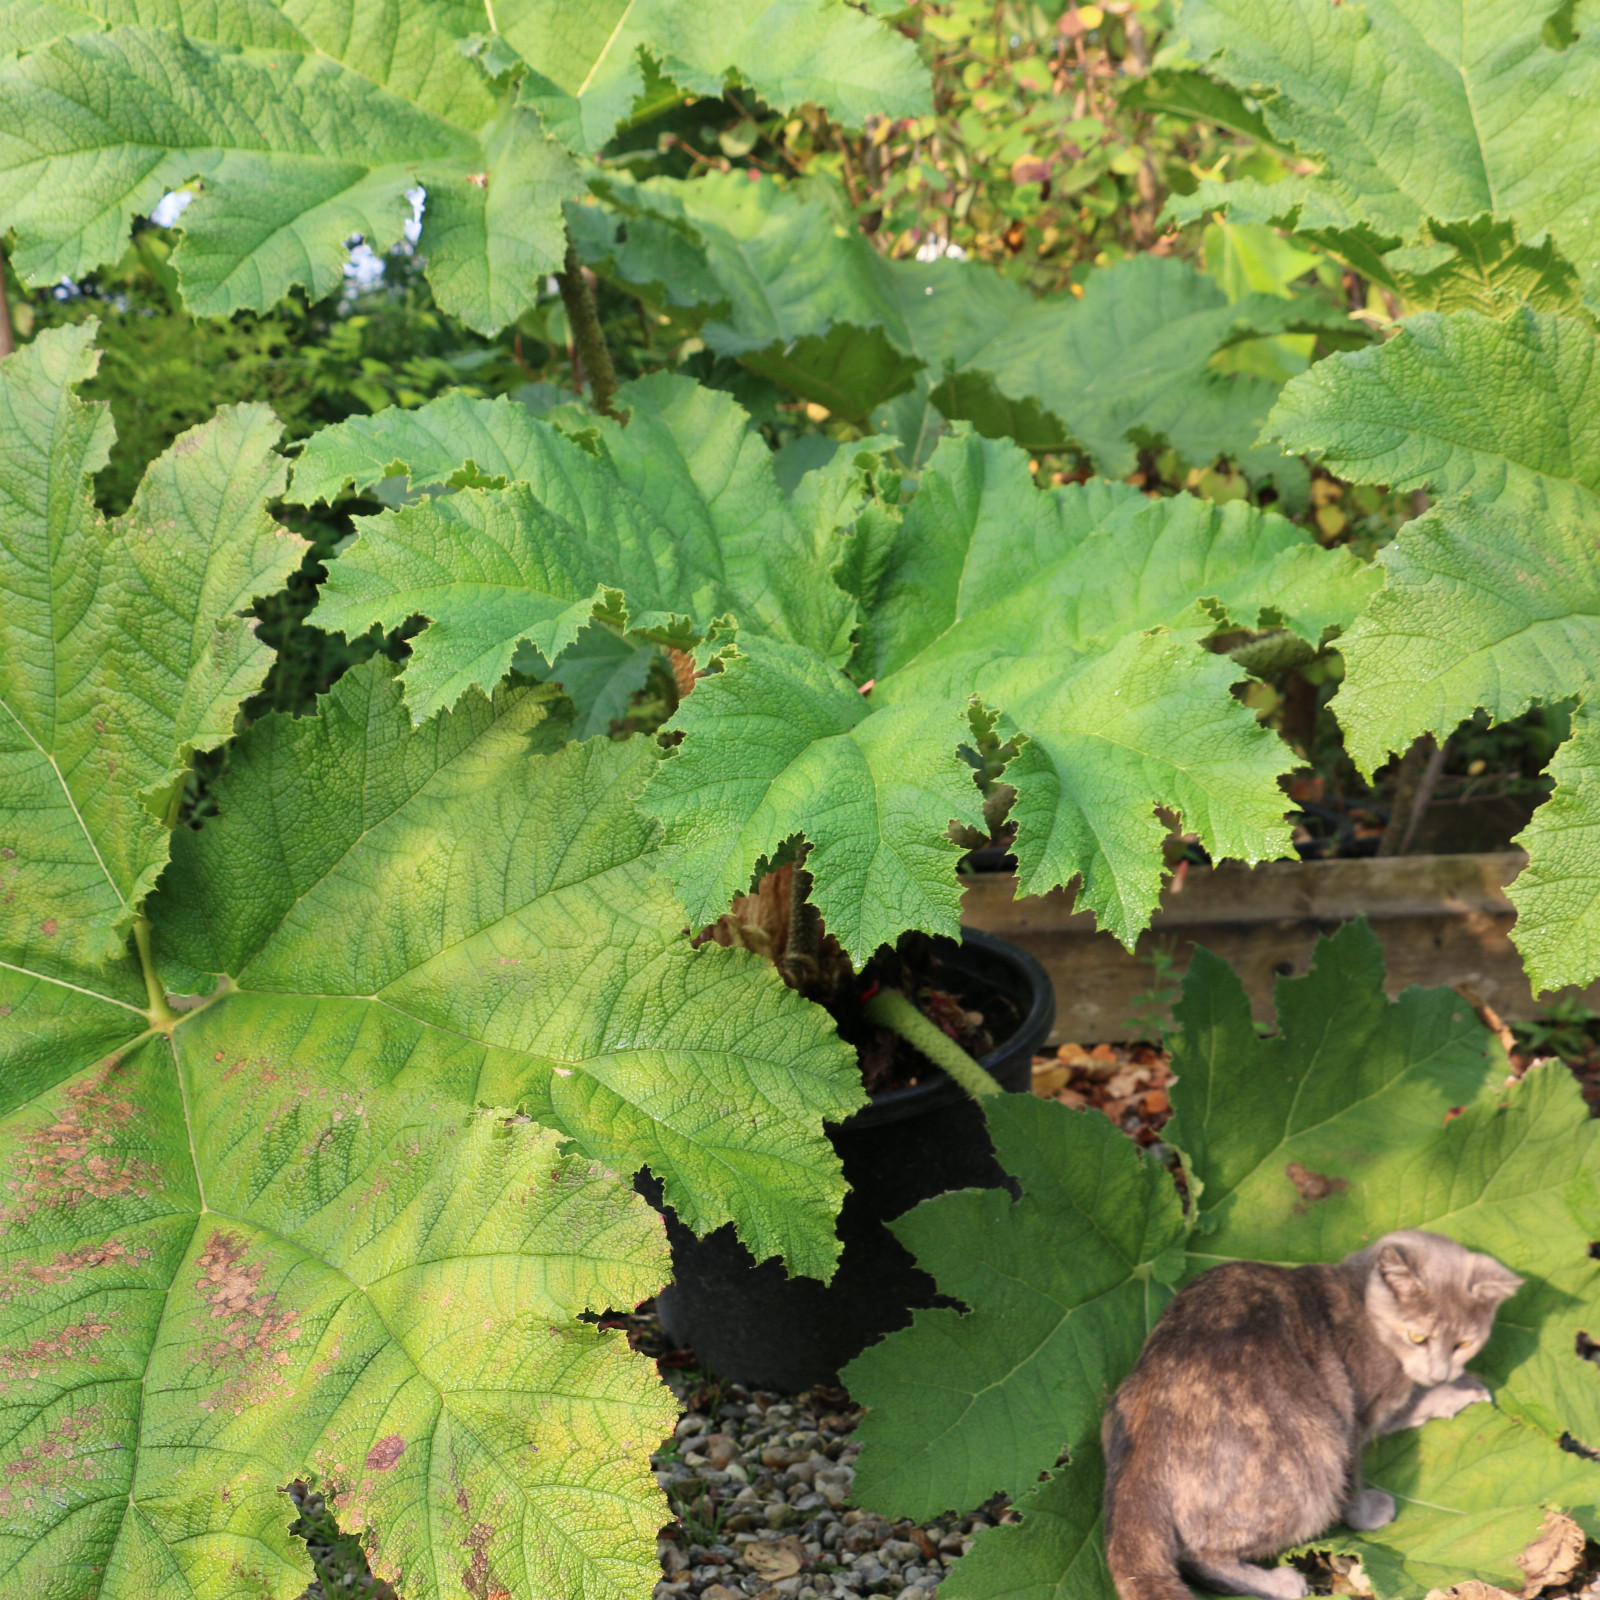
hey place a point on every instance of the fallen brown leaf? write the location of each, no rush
(776, 1559)
(1048, 1076)
(1554, 1555)
(1472, 1589)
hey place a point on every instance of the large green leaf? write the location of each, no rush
(1063, 1286)
(788, 51)
(103, 694)
(780, 744)
(410, 50)
(793, 289)
(307, 121)
(1417, 109)
(453, 895)
(1402, 1110)
(1078, 614)
(1492, 599)
(233, 1254)
(348, 1210)
(296, 153)
(670, 524)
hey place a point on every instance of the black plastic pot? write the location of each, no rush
(756, 1325)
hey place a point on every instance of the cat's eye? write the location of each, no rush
(1417, 1338)
(1461, 1344)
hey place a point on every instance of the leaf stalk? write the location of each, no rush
(588, 338)
(8, 341)
(162, 1017)
(893, 1010)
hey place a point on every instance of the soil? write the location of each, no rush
(975, 1016)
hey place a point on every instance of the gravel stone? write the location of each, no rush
(746, 1468)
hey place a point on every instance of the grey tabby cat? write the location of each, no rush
(1240, 1431)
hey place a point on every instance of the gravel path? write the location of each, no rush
(761, 1485)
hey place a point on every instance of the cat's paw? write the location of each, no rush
(1284, 1583)
(1370, 1509)
(1457, 1395)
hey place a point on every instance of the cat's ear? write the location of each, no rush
(1491, 1282)
(1398, 1276)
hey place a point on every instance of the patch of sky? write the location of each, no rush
(364, 269)
(166, 211)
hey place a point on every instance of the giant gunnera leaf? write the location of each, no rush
(589, 64)
(1078, 614)
(1455, 111)
(1492, 599)
(1361, 1115)
(347, 1209)
(298, 125)
(665, 527)
(103, 695)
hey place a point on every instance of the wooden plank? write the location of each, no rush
(1440, 919)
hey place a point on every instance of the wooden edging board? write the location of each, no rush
(1441, 920)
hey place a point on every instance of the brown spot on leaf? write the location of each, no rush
(383, 1455)
(479, 1580)
(254, 1333)
(73, 1343)
(1312, 1185)
(48, 927)
(65, 1162)
(63, 1457)
(20, 1275)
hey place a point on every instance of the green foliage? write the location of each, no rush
(105, 700)
(1419, 114)
(299, 126)
(676, 522)
(1051, 147)
(1490, 600)
(784, 283)
(825, 52)
(346, 1211)
(1403, 1110)
(1100, 678)
(330, 1043)
(164, 371)
(661, 528)
(614, 1035)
